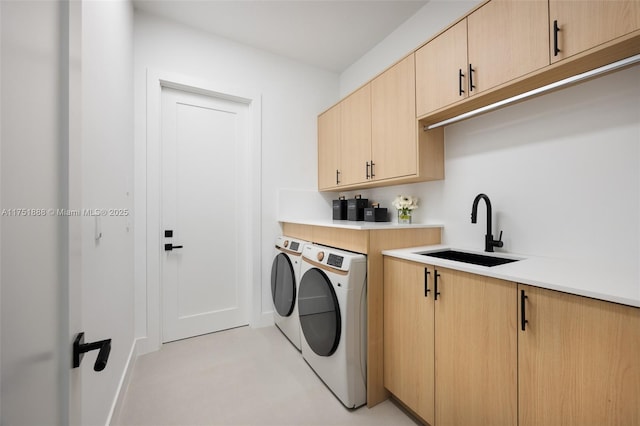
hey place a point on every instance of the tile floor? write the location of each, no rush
(242, 376)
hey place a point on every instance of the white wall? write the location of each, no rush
(415, 31)
(107, 179)
(562, 170)
(292, 95)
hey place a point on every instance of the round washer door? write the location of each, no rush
(319, 312)
(283, 285)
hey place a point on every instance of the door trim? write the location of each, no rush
(149, 255)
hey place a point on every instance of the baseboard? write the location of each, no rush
(264, 319)
(145, 346)
(116, 407)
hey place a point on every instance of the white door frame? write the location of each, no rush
(156, 80)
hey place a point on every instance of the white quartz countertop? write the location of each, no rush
(360, 225)
(595, 280)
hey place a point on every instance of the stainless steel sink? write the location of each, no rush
(474, 258)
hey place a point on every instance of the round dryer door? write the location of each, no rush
(319, 312)
(283, 285)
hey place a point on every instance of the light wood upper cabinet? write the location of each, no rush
(441, 70)
(329, 134)
(476, 350)
(500, 41)
(393, 111)
(409, 336)
(378, 138)
(506, 39)
(582, 25)
(579, 361)
(356, 136)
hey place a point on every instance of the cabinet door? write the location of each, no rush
(329, 148)
(507, 39)
(393, 121)
(439, 64)
(476, 350)
(586, 24)
(355, 152)
(408, 336)
(578, 361)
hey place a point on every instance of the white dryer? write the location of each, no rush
(332, 302)
(285, 279)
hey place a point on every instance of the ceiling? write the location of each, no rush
(330, 34)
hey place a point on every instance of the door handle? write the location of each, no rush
(80, 347)
(170, 247)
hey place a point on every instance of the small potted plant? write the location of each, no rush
(405, 204)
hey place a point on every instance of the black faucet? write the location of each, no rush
(489, 242)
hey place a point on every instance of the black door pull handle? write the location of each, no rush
(79, 349)
(523, 315)
(169, 247)
(435, 285)
(556, 30)
(426, 286)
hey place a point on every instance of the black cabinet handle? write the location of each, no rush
(460, 76)
(337, 177)
(556, 30)
(471, 86)
(368, 169)
(169, 247)
(426, 279)
(373, 174)
(523, 316)
(435, 284)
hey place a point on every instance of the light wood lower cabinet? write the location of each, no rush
(491, 352)
(409, 336)
(475, 349)
(579, 361)
(452, 361)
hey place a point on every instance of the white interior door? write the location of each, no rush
(205, 203)
(39, 248)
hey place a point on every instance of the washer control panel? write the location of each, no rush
(335, 260)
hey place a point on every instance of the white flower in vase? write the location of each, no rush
(405, 204)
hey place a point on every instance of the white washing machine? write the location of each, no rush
(332, 304)
(285, 279)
